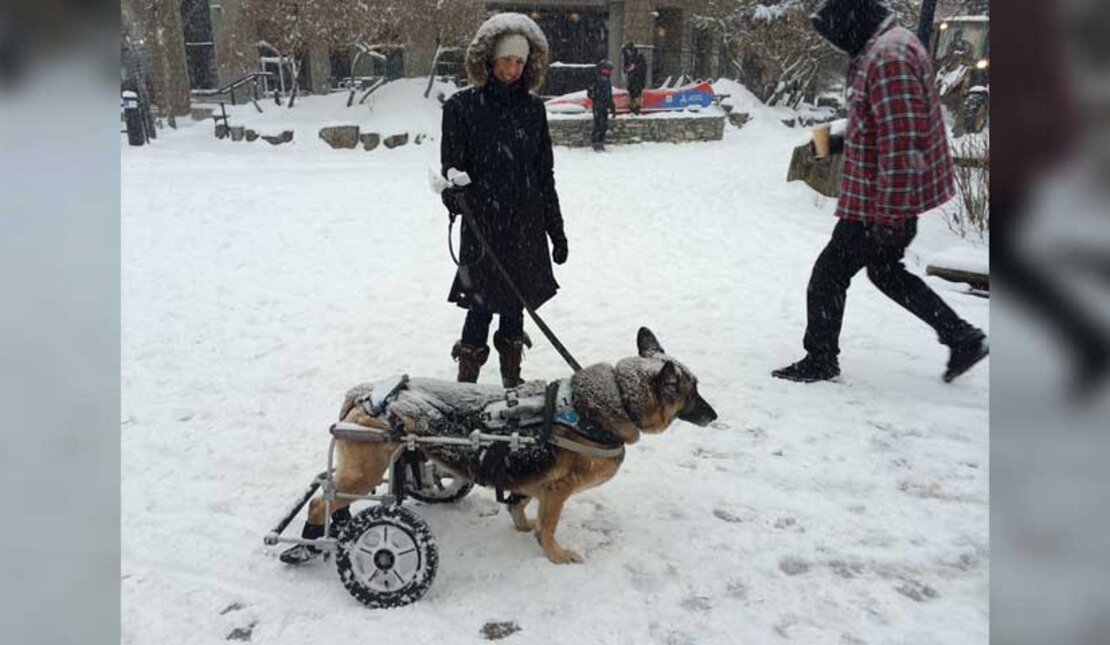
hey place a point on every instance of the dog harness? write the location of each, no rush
(531, 415)
(553, 406)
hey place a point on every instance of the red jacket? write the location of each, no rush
(896, 159)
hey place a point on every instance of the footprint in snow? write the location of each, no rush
(241, 633)
(497, 631)
(736, 589)
(846, 569)
(917, 591)
(792, 566)
(784, 523)
(722, 514)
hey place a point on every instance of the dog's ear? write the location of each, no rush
(646, 343)
(667, 383)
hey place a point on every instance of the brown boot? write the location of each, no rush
(470, 360)
(511, 353)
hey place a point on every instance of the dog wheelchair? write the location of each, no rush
(386, 555)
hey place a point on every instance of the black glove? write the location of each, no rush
(452, 199)
(559, 248)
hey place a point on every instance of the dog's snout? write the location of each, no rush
(698, 411)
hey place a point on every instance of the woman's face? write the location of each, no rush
(508, 69)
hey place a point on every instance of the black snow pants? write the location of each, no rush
(854, 246)
(601, 126)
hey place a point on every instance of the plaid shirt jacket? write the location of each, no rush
(896, 159)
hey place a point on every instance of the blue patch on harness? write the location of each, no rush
(569, 417)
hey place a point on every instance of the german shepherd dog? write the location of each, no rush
(641, 394)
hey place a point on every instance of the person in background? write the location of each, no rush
(601, 95)
(896, 167)
(635, 74)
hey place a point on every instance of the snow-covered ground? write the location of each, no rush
(260, 282)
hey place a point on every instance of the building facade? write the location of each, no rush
(207, 44)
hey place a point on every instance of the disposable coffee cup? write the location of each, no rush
(821, 142)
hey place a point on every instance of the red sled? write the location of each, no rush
(653, 100)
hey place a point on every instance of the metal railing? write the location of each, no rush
(229, 89)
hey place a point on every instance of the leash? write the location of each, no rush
(464, 205)
(451, 248)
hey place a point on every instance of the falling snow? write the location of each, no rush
(260, 282)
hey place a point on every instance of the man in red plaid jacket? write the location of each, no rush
(896, 166)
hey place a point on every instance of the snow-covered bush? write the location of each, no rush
(774, 51)
(969, 213)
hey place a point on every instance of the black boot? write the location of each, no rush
(511, 354)
(810, 369)
(470, 359)
(964, 353)
(302, 553)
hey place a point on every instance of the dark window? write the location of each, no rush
(574, 34)
(200, 50)
(339, 63)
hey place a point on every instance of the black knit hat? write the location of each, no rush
(849, 24)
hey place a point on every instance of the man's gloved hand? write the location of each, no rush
(452, 199)
(559, 248)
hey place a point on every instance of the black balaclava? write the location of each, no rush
(849, 24)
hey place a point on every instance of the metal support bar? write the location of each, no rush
(355, 432)
(322, 543)
(301, 501)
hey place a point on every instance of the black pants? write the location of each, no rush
(601, 126)
(854, 246)
(634, 99)
(475, 330)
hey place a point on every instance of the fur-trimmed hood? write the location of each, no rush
(480, 52)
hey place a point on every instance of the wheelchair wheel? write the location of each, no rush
(440, 486)
(386, 557)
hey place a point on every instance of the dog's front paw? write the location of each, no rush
(563, 556)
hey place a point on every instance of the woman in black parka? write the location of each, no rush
(496, 132)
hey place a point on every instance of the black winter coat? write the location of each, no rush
(498, 135)
(601, 94)
(635, 71)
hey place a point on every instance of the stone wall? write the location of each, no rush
(575, 132)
